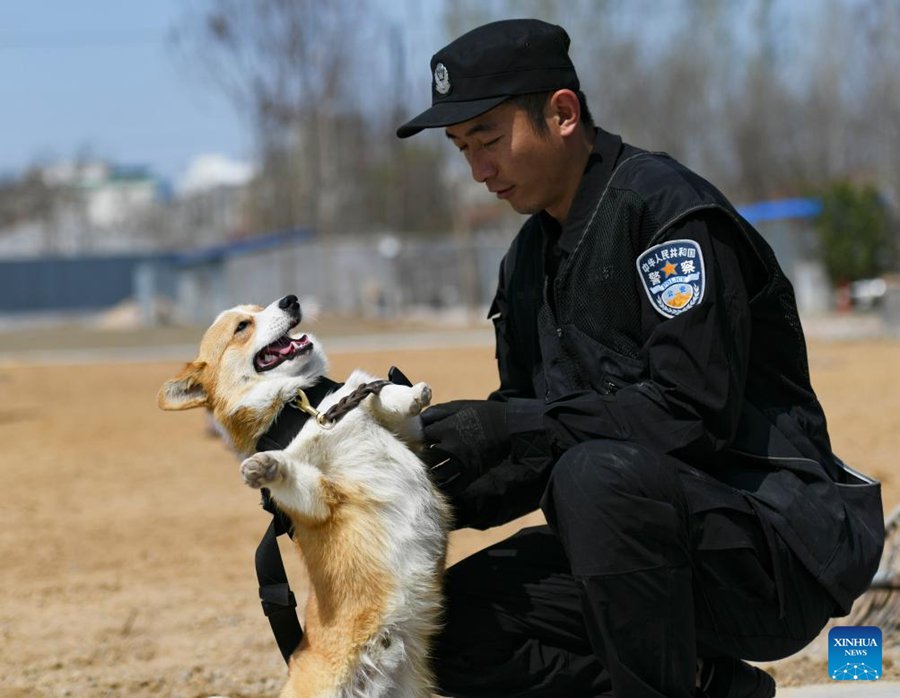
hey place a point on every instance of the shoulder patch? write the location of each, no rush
(673, 276)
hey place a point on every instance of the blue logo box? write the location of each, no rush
(854, 653)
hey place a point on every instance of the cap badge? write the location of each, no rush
(441, 79)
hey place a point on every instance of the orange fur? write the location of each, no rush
(347, 605)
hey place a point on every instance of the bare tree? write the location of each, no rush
(880, 105)
(319, 81)
(764, 97)
(287, 63)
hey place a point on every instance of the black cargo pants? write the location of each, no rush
(646, 565)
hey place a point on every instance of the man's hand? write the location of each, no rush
(465, 438)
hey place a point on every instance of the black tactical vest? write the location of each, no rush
(590, 338)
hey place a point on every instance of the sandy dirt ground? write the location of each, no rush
(127, 537)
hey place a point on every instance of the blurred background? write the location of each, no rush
(164, 160)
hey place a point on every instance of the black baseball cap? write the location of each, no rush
(491, 63)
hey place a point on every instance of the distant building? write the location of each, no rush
(73, 209)
(212, 171)
(122, 194)
(77, 209)
(108, 194)
(788, 225)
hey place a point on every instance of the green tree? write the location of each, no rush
(855, 233)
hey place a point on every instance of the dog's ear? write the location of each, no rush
(185, 390)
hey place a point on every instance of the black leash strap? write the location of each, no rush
(275, 593)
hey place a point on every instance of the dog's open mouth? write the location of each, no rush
(283, 349)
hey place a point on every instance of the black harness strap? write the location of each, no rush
(275, 593)
(278, 600)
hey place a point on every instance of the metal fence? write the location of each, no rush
(373, 277)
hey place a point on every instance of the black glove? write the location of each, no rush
(465, 438)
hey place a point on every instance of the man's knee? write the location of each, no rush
(615, 506)
(489, 596)
(599, 470)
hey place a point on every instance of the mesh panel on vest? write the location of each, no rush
(602, 297)
(560, 367)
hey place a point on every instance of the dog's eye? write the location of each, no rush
(241, 326)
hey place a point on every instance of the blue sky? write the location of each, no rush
(99, 75)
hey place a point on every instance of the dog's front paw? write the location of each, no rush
(421, 398)
(261, 469)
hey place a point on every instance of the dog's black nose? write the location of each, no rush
(288, 302)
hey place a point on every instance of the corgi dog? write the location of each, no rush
(371, 526)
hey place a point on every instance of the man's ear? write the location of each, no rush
(185, 390)
(565, 111)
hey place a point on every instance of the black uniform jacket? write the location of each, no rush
(657, 314)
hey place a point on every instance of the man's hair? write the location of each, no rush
(533, 105)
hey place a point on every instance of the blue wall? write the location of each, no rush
(60, 284)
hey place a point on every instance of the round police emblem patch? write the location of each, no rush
(441, 79)
(673, 276)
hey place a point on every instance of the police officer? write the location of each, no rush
(654, 401)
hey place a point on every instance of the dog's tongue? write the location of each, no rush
(286, 345)
(299, 343)
(296, 345)
(280, 350)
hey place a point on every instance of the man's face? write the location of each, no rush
(516, 163)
